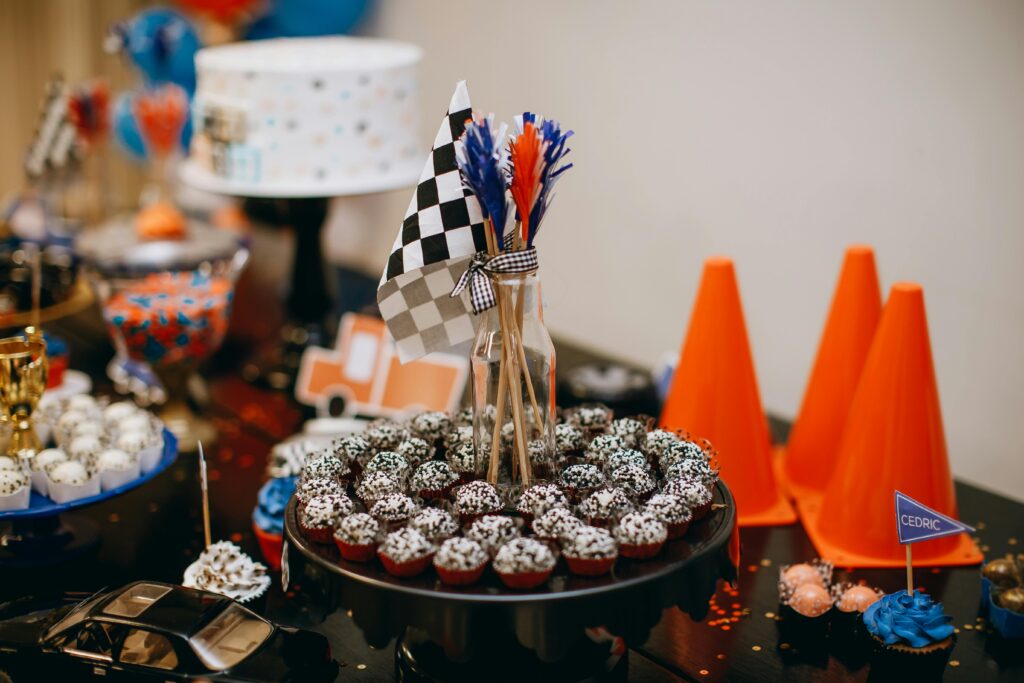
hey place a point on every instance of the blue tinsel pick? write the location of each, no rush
(554, 152)
(482, 165)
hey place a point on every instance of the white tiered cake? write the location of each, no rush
(305, 117)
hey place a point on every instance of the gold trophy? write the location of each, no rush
(24, 367)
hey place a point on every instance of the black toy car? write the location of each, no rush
(153, 631)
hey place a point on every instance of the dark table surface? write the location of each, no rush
(154, 531)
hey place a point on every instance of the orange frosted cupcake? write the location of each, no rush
(160, 221)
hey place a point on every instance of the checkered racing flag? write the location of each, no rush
(442, 230)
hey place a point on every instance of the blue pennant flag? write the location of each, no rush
(916, 522)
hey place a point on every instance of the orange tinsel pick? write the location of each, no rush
(526, 152)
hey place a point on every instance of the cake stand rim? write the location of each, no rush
(711, 545)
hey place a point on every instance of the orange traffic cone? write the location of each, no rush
(893, 439)
(714, 395)
(810, 454)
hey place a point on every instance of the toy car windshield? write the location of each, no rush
(136, 600)
(231, 637)
(76, 614)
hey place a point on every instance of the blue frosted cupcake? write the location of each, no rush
(268, 518)
(911, 635)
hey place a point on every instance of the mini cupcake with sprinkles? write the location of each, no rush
(460, 561)
(627, 456)
(590, 551)
(461, 434)
(434, 523)
(640, 535)
(390, 463)
(632, 430)
(325, 466)
(672, 511)
(376, 485)
(352, 450)
(601, 447)
(539, 499)
(394, 509)
(555, 524)
(634, 480)
(431, 427)
(320, 515)
(433, 480)
(657, 441)
(461, 457)
(696, 495)
(317, 486)
(569, 442)
(604, 507)
(356, 537)
(405, 553)
(524, 563)
(580, 480)
(474, 500)
(592, 418)
(683, 449)
(493, 531)
(385, 435)
(416, 451)
(690, 468)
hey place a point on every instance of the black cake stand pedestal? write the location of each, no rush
(562, 631)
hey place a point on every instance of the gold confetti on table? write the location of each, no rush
(703, 672)
(954, 662)
(968, 627)
(360, 666)
(769, 615)
(756, 648)
(783, 646)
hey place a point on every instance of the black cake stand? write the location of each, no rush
(488, 632)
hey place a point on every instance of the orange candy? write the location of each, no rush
(857, 599)
(810, 600)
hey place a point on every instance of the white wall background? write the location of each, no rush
(775, 133)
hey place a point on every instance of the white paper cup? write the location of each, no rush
(149, 456)
(40, 482)
(111, 479)
(65, 493)
(17, 500)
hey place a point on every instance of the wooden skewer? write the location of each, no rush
(516, 398)
(499, 415)
(206, 495)
(522, 348)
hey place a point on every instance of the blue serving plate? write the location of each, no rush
(41, 506)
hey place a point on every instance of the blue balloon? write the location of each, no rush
(126, 128)
(163, 45)
(301, 18)
(186, 131)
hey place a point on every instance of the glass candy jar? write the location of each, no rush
(513, 363)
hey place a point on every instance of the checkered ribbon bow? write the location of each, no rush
(481, 293)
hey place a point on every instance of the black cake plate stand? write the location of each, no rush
(561, 631)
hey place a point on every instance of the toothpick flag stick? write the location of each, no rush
(204, 486)
(910, 572)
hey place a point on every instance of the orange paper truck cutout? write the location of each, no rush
(364, 374)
